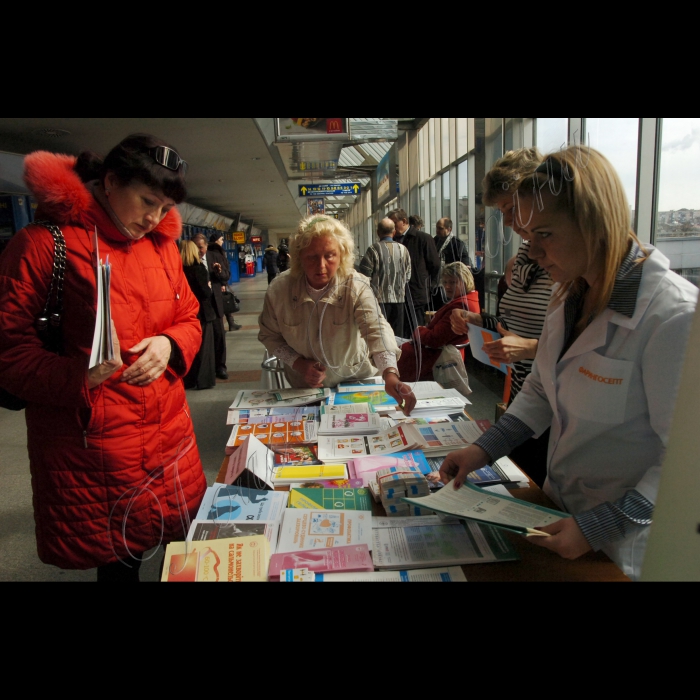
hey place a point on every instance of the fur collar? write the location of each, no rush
(64, 198)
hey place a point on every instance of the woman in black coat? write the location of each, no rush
(202, 374)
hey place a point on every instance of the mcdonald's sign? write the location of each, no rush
(335, 125)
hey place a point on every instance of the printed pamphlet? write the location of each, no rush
(223, 503)
(303, 530)
(334, 559)
(205, 530)
(448, 574)
(330, 499)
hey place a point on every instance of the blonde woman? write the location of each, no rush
(202, 374)
(608, 367)
(322, 319)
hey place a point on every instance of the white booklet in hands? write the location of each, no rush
(102, 345)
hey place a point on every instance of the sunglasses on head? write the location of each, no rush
(168, 158)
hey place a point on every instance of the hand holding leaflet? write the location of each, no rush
(479, 339)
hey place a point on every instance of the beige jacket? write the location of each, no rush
(342, 332)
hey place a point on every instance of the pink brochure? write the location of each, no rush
(323, 561)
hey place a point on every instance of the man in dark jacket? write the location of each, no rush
(271, 254)
(450, 249)
(425, 268)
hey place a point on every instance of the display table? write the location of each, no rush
(536, 564)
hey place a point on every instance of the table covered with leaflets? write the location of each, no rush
(338, 485)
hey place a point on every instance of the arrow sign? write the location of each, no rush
(330, 190)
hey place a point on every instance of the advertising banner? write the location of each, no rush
(312, 129)
(315, 205)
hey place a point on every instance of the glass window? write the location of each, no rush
(618, 140)
(421, 156)
(678, 217)
(446, 196)
(423, 212)
(431, 146)
(463, 201)
(551, 133)
(433, 207)
(462, 140)
(445, 137)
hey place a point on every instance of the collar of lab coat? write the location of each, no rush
(639, 281)
(334, 295)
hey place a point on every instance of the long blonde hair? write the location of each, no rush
(316, 226)
(584, 184)
(189, 253)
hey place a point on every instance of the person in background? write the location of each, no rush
(416, 222)
(271, 254)
(419, 356)
(451, 250)
(202, 374)
(112, 451)
(388, 265)
(213, 265)
(322, 319)
(523, 307)
(425, 268)
(284, 260)
(608, 366)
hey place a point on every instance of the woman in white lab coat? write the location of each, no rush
(608, 365)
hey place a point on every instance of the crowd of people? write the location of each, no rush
(592, 321)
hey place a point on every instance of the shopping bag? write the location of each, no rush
(232, 304)
(449, 371)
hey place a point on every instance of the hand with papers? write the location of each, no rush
(313, 372)
(152, 363)
(460, 463)
(101, 373)
(511, 347)
(400, 392)
(567, 540)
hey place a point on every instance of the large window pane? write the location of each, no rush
(445, 138)
(463, 201)
(423, 208)
(431, 146)
(433, 207)
(617, 138)
(551, 133)
(462, 142)
(678, 219)
(446, 196)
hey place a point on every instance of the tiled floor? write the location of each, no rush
(18, 558)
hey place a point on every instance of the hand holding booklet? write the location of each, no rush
(472, 503)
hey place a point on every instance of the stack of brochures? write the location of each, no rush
(397, 483)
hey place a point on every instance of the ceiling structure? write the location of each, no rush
(233, 167)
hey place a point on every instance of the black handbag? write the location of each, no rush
(48, 325)
(232, 304)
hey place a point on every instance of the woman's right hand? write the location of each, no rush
(103, 372)
(313, 372)
(460, 318)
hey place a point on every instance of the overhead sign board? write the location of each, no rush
(348, 188)
(312, 129)
(239, 237)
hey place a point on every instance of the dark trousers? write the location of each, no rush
(202, 374)
(414, 317)
(219, 344)
(271, 274)
(394, 314)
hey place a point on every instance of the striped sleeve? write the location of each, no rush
(610, 522)
(504, 437)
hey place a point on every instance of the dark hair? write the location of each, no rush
(199, 237)
(399, 214)
(214, 237)
(448, 222)
(131, 161)
(416, 221)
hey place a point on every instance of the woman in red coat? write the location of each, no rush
(114, 462)
(458, 284)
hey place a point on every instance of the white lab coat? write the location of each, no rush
(610, 400)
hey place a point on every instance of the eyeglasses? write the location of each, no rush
(168, 158)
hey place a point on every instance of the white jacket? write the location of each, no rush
(610, 400)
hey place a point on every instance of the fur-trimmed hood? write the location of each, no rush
(65, 199)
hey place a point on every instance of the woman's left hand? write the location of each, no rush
(152, 363)
(567, 539)
(511, 347)
(401, 392)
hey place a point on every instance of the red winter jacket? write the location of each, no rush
(437, 334)
(114, 469)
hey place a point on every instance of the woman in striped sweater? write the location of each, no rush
(523, 308)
